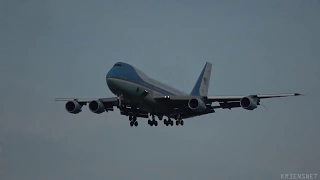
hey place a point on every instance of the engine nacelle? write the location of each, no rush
(96, 107)
(73, 107)
(197, 105)
(249, 103)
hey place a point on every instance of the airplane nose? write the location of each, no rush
(108, 74)
(109, 78)
(110, 82)
(113, 84)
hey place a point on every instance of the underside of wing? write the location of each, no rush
(107, 102)
(173, 101)
(238, 98)
(249, 102)
(186, 106)
(190, 113)
(183, 106)
(100, 105)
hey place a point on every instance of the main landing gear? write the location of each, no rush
(153, 122)
(168, 122)
(179, 120)
(133, 121)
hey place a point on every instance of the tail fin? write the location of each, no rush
(202, 85)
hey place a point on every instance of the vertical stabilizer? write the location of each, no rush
(202, 85)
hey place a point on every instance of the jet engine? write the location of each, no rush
(249, 103)
(96, 107)
(73, 107)
(197, 105)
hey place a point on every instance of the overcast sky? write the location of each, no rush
(64, 48)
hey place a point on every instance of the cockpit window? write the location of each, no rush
(118, 64)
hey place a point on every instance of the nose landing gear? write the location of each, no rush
(119, 98)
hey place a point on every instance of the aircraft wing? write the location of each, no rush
(224, 101)
(87, 100)
(237, 98)
(83, 101)
(108, 103)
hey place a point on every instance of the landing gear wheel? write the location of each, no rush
(165, 121)
(136, 123)
(171, 123)
(130, 118)
(151, 122)
(154, 122)
(131, 123)
(181, 122)
(177, 123)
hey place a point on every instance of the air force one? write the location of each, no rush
(138, 95)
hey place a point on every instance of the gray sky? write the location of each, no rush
(64, 48)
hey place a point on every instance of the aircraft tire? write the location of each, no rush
(131, 123)
(181, 122)
(136, 123)
(177, 123)
(150, 122)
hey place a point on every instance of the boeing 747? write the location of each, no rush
(138, 95)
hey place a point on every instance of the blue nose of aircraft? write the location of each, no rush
(110, 79)
(118, 71)
(124, 72)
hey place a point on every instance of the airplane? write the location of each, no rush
(139, 96)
